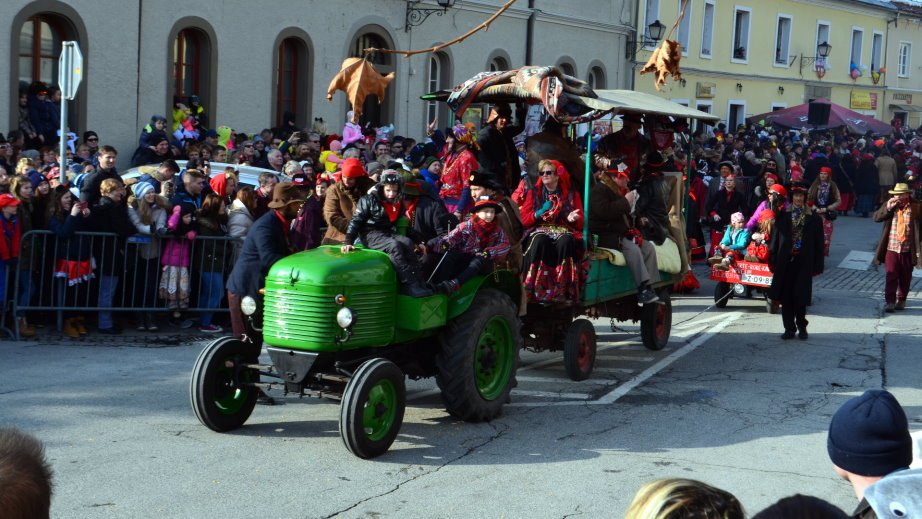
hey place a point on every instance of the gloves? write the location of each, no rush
(190, 235)
(163, 231)
(177, 209)
(544, 208)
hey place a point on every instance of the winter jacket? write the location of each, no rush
(264, 245)
(178, 250)
(886, 171)
(431, 219)
(609, 214)
(211, 255)
(340, 205)
(736, 239)
(89, 192)
(70, 247)
(109, 217)
(305, 230)
(149, 242)
(463, 238)
(239, 220)
(886, 216)
(370, 215)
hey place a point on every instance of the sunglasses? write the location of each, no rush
(247, 145)
(92, 140)
(549, 172)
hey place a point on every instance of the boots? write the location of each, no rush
(714, 260)
(25, 330)
(723, 264)
(411, 282)
(447, 287)
(70, 329)
(79, 325)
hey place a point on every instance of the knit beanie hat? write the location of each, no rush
(869, 435)
(142, 188)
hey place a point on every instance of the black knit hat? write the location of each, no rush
(484, 178)
(869, 435)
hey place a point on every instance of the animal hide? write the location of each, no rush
(664, 61)
(359, 79)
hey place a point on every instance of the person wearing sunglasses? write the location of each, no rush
(553, 219)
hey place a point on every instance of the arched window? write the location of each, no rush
(39, 50)
(290, 83)
(188, 55)
(438, 77)
(373, 111)
(567, 68)
(596, 78)
(498, 63)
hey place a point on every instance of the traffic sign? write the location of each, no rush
(70, 69)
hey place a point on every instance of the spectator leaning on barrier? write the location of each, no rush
(175, 282)
(9, 239)
(110, 215)
(21, 188)
(73, 262)
(148, 212)
(210, 257)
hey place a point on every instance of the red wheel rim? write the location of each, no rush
(583, 355)
(660, 321)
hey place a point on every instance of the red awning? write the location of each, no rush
(795, 117)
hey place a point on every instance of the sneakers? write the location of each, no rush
(647, 296)
(211, 328)
(186, 324)
(900, 305)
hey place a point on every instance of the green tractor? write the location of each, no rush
(335, 326)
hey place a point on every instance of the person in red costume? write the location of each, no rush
(627, 144)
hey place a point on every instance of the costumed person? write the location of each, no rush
(824, 197)
(733, 245)
(626, 144)
(726, 202)
(773, 196)
(474, 247)
(332, 158)
(428, 219)
(375, 222)
(898, 248)
(460, 162)
(305, 229)
(794, 258)
(352, 132)
(510, 220)
(757, 251)
(553, 221)
(341, 199)
(610, 207)
(497, 153)
(651, 211)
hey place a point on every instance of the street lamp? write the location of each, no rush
(417, 15)
(655, 30)
(823, 50)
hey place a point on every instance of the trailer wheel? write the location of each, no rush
(372, 409)
(579, 348)
(722, 293)
(656, 322)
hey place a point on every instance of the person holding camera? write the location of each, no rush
(824, 196)
(898, 248)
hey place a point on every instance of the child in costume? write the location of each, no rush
(733, 245)
(474, 247)
(757, 251)
(375, 222)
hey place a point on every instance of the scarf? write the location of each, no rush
(798, 217)
(903, 217)
(9, 242)
(410, 213)
(822, 195)
(485, 231)
(392, 210)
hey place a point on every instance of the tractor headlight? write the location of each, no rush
(248, 305)
(344, 318)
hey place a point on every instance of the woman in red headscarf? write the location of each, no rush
(824, 197)
(552, 214)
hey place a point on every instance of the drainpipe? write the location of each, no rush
(530, 32)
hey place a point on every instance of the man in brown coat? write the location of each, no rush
(342, 198)
(898, 248)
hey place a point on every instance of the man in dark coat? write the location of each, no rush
(89, 192)
(266, 243)
(795, 256)
(110, 215)
(610, 204)
(497, 152)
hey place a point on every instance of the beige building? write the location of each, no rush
(251, 60)
(904, 73)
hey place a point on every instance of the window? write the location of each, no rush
(39, 50)
(857, 42)
(188, 54)
(905, 58)
(707, 29)
(778, 106)
(497, 64)
(650, 15)
(291, 81)
(706, 107)
(375, 111)
(741, 35)
(736, 115)
(438, 77)
(566, 68)
(596, 78)
(782, 40)
(877, 43)
(685, 27)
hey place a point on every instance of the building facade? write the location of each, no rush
(903, 97)
(250, 61)
(745, 58)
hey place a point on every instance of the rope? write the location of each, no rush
(678, 20)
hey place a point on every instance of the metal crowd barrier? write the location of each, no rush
(42, 282)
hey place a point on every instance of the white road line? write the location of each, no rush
(562, 378)
(627, 358)
(613, 370)
(698, 321)
(551, 394)
(623, 389)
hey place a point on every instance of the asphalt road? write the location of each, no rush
(726, 402)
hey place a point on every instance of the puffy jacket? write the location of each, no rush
(736, 239)
(239, 220)
(369, 216)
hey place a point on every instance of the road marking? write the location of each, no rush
(613, 370)
(552, 394)
(423, 394)
(627, 358)
(558, 379)
(623, 389)
(857, 260)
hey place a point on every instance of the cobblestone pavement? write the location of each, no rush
(869, 282)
